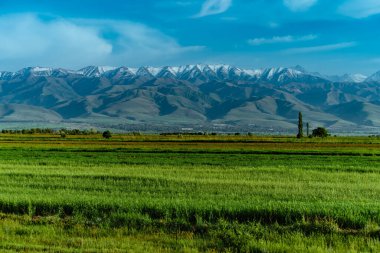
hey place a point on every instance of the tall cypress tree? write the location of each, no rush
(300, 126)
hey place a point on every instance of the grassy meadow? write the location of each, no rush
(152, 193)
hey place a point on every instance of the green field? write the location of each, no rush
(189, 194)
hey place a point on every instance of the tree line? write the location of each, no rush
(62, 132)
(50, 131)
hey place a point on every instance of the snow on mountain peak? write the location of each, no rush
(148, 72)
(35, 71)
(200, 71)
(359, 78)
(203, 72)
(41, 69)
(5, 75)
(154, 71)
(356, 78)
(167, 72)
(95, 71)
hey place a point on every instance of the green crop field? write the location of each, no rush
(189, 194)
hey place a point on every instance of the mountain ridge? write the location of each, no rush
(210, 71)
(190, 95)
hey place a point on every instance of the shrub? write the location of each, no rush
(107, 134)
(320, 132)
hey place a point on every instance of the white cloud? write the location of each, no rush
(281, 39)
(139, 43)
(27, 40)
(323, 48)
(299, 5)
(360, 8)
(213, 7)
(25, 36)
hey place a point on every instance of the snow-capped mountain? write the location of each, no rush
(346, 78)
(191, 73)
(191, 94)
(35, 71)
(38, 72)
(195, 73)
(95, 71)
(5, 75)
(167, 72)
(121, 73)
(282, 75)
(355, 78)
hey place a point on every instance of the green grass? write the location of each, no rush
(152, 193)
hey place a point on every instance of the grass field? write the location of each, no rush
(189, 194)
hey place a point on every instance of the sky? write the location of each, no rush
(331, 37)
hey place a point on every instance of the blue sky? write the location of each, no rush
(340, 36)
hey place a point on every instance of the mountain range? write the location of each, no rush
(197, 96)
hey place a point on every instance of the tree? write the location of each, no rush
(300, 126)
(107, 134)
(320, 132)
(308, 129)
(63, 134)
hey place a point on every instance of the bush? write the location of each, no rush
(320, 132)
(107, 134)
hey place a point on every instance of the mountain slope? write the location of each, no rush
(374, 78)
(195, 95)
